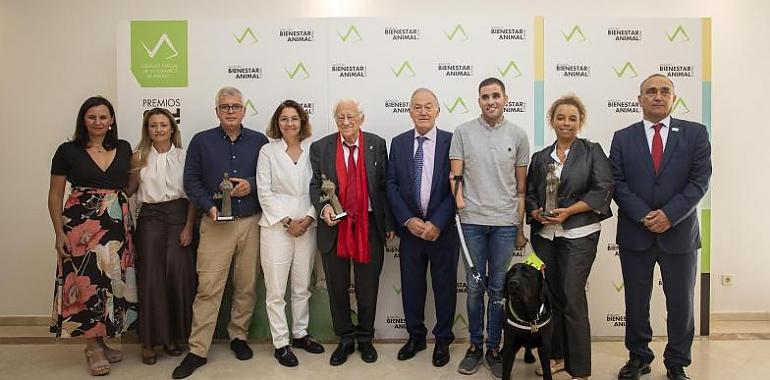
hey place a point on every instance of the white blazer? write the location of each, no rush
(283, 187)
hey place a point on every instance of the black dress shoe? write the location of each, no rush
(308, 344)
(677, 374)
(411, 348)
(241, 349)
(286, 357)
(440, 354)
(368, 353)
(190, 363)
(633, 369)
(340, 355)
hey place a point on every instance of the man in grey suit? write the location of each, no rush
(356, 162)
(662, 168)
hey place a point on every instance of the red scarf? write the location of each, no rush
(353, 232)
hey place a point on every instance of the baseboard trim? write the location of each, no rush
(741, 316)
(25, 320)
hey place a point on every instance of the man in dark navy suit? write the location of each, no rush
(662, 168)
(423, 207)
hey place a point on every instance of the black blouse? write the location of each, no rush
(72, 160)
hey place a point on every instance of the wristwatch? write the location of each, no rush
(286, 225)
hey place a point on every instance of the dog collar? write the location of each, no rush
(532, 326)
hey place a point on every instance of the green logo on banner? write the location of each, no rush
(458, 102)
(159, 53)
(627, 68)
(457, 30)
(678, 32)
(297, 69)
(251, 110)
(618, 287)
(404, 66)
(246, 33)
(352, 30)
(511, 66)
(460, 318)
(680, 103)
(575, 31)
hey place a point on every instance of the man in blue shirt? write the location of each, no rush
(229, 148)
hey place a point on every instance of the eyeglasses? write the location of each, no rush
(230, 107)
(341, 118)
(287, 120)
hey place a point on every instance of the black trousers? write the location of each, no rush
(678, 271)
(366, 279)
(567, 266)
(415, 255)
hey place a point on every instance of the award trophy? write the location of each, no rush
(328, 193)
(551, 191)
(225, 214)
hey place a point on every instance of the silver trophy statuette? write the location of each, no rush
(329, 194)
(225, 214)
(551, 191)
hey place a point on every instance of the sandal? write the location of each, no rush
(172, 349)
(148, 356)
(112, 355)
(97, 366)
(556, 367)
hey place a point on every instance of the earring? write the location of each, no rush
(109, 128)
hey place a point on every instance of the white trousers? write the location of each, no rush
(285, 257)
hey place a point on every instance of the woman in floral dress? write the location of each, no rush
(95, 294)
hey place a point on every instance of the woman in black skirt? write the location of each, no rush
(165, 255)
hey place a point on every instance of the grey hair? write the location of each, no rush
(227, 91)
(653, 76)
(359, 109)
(423, 89)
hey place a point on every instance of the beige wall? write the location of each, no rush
(53, 54)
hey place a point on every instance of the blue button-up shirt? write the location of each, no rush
(210, 155)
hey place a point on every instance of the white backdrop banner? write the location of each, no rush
(180, 64)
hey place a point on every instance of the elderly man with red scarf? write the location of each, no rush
(356, 162)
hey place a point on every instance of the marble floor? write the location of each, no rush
(735, 350)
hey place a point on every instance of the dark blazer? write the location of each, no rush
(678, 188)
(401, 191)
(323, 160)
(586, 176)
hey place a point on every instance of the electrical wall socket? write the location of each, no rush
(727, 280)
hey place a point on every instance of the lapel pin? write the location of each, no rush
(674, 129)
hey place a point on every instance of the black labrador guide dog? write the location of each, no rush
(527, 317)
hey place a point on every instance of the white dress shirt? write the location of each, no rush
(161, 179)
(649, 131)
(283, 187)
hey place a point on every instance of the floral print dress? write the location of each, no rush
(95, 293)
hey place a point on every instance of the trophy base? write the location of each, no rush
(340, 215)
(225, 218)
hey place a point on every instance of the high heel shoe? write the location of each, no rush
(97, 366)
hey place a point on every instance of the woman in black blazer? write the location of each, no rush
(566, 240)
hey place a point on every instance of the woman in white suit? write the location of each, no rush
(288, 234)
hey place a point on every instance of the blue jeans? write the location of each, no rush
(491, 249)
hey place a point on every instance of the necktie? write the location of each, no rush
(352, 191)
(419, 158)
(657, 148)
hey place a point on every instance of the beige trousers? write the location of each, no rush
(221, 244)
